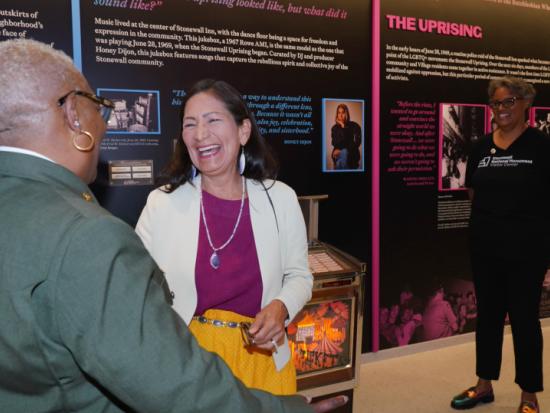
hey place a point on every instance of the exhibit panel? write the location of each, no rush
(286, 58)
(37, 20)
(436, 59)
(294, 62)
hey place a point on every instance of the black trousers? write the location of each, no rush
(508, 286)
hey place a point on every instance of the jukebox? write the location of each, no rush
(325, 337)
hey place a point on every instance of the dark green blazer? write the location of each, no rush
(85, 322)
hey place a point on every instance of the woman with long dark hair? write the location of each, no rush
(86, 322)
(346, 140)
(230, 239)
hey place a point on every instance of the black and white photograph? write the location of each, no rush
(135, 111)
(460, 126)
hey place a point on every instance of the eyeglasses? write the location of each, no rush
(106, 106)
(248, 340)
(506, 103)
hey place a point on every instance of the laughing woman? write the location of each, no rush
(230, 239)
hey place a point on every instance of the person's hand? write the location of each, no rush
(336, 153)
(328, 405)
(269, 326)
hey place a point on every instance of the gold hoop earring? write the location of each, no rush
(84, 148)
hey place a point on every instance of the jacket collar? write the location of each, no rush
(41, 170)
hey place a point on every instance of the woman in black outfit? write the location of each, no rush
(346, 140)
(508, 177)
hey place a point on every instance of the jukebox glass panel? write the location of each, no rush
(321, 336)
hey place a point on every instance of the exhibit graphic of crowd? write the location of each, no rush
(437, 315)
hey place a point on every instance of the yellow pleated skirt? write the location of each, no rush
(254, 367)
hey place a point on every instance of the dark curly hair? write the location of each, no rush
(260, 162)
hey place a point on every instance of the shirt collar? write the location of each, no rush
(24, 151)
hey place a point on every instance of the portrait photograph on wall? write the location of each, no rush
(460, 126)
(343, 135)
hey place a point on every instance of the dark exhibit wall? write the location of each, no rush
(285, 57)
(436, 60)
(299, 64)
(35, 20)
(295, 63)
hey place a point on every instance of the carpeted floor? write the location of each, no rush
(425, 379)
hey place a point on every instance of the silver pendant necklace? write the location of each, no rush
(215, 258)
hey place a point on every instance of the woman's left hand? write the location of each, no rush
(269, 326)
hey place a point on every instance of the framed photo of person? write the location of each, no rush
(343, 135)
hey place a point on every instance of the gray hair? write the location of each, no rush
(31, 75)
(517, 86)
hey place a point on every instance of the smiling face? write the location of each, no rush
(512, 117)
(212, 137)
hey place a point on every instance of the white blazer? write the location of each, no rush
(169, 229)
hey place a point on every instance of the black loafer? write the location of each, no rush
(470, 398)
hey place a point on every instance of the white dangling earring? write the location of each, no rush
(242, 161)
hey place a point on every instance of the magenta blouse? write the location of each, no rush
(237, 284)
